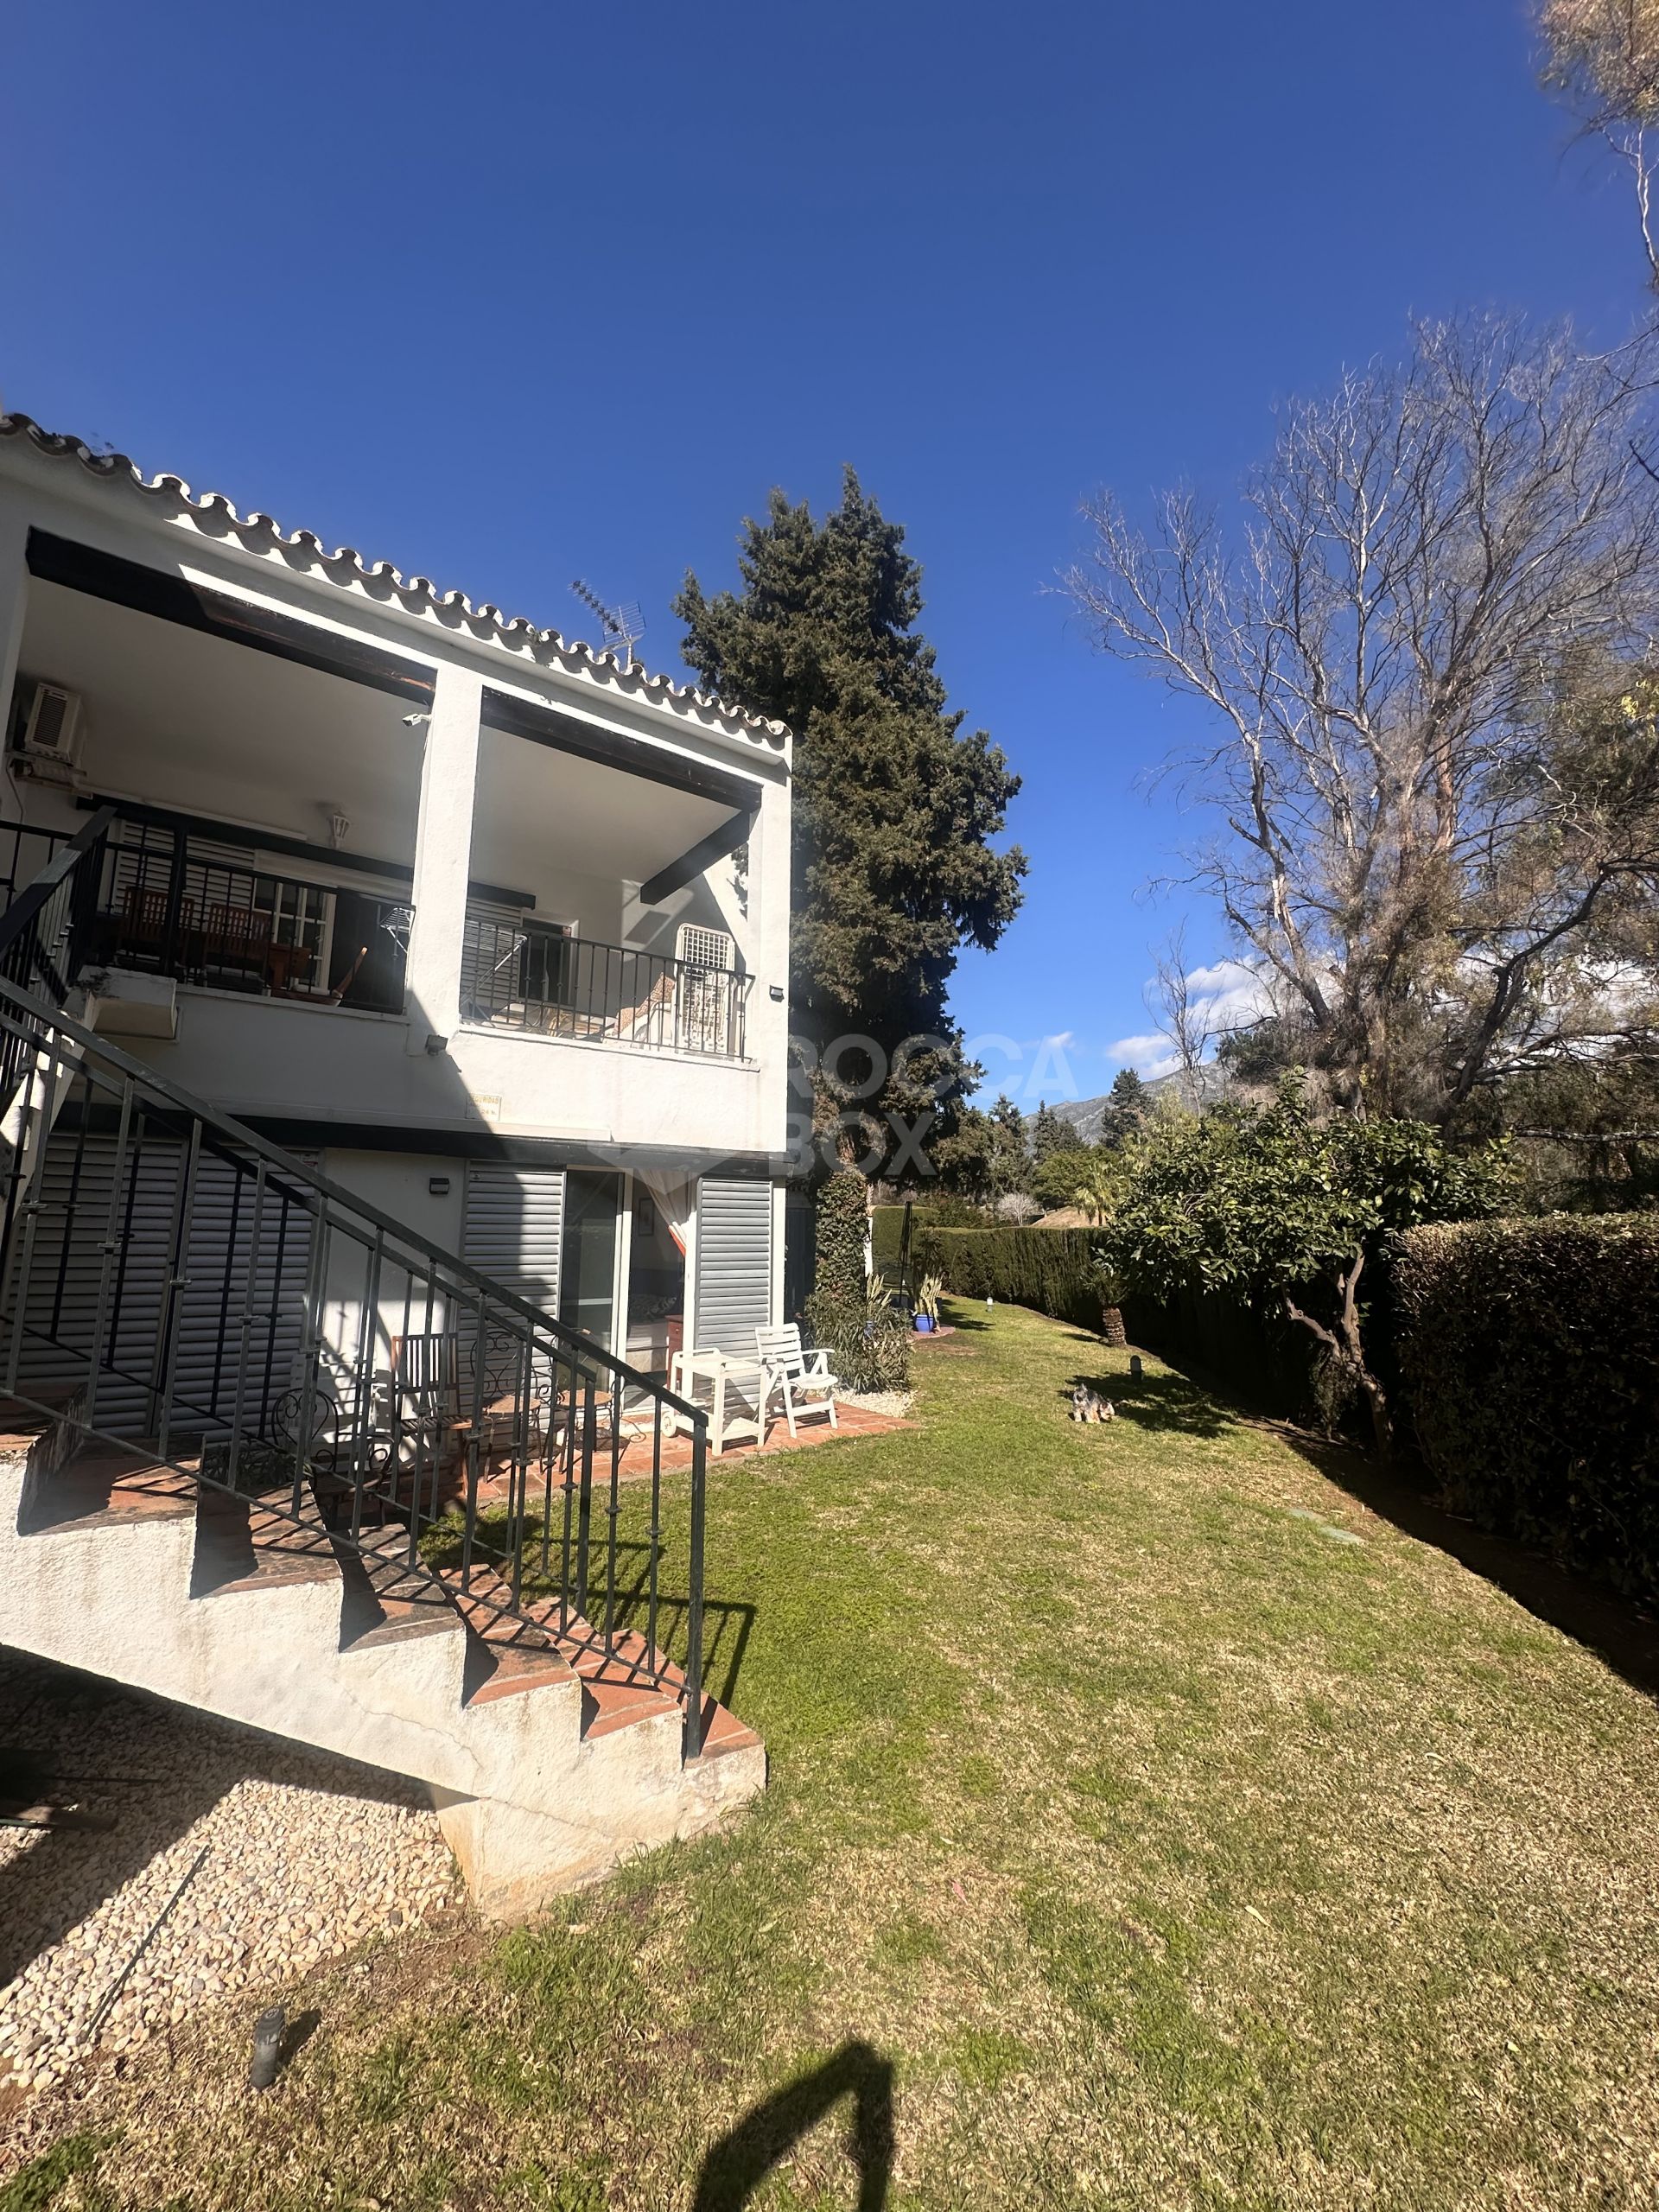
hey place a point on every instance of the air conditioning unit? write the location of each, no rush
(52, 725)
(701, 948)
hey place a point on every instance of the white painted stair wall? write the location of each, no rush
(530, 1807)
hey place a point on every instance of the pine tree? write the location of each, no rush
(894, 807)
(1129, 1107)
(1050, 1134)
(1010, 1155)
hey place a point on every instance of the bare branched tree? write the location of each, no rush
(1603, 56)
(1437, 779)
(1181, 1017)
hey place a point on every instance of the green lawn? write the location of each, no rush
(1149, 1844)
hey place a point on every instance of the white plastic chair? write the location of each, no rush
(802, 1378)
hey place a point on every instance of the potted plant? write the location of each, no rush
(927, 1305)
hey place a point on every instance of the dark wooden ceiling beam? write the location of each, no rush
(703, 855)
(220, 615)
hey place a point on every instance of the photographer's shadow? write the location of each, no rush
(740, 2161)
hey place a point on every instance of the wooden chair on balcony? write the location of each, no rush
(237, 938)
(287, 969)
(428, 1400)
(142, 929)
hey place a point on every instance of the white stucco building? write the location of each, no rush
(493, 929)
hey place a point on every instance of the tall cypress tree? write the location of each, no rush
(894, 805)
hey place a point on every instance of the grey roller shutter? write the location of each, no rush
(734, 1264)
(514, 1228)
(224, 1278)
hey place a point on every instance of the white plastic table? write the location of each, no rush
(729, 1377)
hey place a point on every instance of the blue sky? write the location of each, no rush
(510, 296)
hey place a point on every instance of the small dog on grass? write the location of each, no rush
(1089, 1405)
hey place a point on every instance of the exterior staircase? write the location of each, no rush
(224, 1480)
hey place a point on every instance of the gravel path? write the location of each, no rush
(895, 1404)
(306, 1857)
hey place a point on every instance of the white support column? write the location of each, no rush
(443, 846)
(768, 1026)
(14, 599)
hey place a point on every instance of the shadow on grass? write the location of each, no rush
(1589, 1613)
(1169, 1404)
(737, 2166)
(625, 1603)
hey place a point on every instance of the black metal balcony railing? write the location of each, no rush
(524, 977)
(172, 905)
(160, 901)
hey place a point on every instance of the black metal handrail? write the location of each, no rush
(519, 975)
(24, 851)
(186, 1285)
(45, 930)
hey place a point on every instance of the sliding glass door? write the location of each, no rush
(588, 1270)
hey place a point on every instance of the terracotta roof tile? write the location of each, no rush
(346, 566)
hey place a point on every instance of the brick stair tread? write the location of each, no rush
(22, 1424)
(401, 1618)
(520, 1661)
(722, 1731)
(607, 1706)
(243, 1545)
(107, 1483)
(387, 1601)
(484, 1603)
(517, 1669)
(616, 1692)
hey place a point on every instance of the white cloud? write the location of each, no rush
(1226, 995)
(1229, 995)
(1147, 1056)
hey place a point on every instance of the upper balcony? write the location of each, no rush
(317, 821)
(206, 911)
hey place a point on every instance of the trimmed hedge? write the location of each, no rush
(887, 1226)
(1048, 1268)
(1528, 1358)
(1261, 1355)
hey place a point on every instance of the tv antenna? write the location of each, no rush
(621, 627)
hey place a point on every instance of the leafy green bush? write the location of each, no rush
(1528, 1358)
(1055, 1180)
(866, 1334)
(839, 1230)
(1273, 1204)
